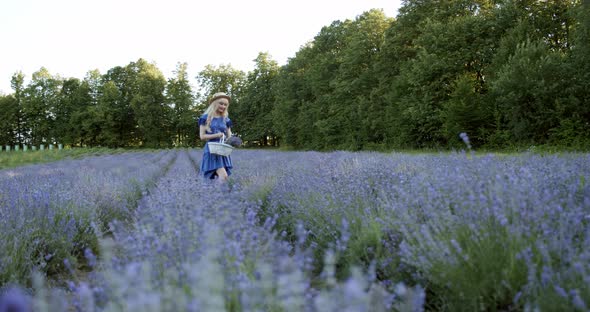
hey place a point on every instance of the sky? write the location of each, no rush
(72, 37)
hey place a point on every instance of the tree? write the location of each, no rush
(452, 39)
(357, 115)
(110, 116)
(253, 115)
(71, 98)
(179, 96)
(574, 113)
(223, 78)
(527, 90)
(290, 91)
(316, 127)
(465, 112)
(149, 105)
(39, 107)
(17, 84)
(9, 124)
(121, 121)
(305, 91)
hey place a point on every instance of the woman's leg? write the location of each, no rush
(221, 174)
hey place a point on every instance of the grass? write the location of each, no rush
(13, 159)
(485, 271)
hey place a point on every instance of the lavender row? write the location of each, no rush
(198, 246)
(291, 230)
(51, 213)
(492, 232)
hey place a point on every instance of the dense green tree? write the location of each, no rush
(454, 40)
(527, 90)
(180, 98)
(121, 121)
(39, 107)
(149, 105)
(253, 114)
(290, 91)
(311, 75)
(70, 98)
(108, 116)
(359, 118)
(223, 78)
(317, 127)
(84, 124)
(574, 113)
(17, 82)
(502, 71)
(466, 112)
(9, 120)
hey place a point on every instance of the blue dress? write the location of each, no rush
(212, 162)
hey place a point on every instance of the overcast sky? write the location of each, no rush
(72, 37)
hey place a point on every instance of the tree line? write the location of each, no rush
(505, 72)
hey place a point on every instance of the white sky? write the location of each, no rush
(72, 37)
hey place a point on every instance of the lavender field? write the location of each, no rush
(297, 231)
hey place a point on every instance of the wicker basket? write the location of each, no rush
(220, 148)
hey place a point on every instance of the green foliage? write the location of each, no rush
(550, 299)
(222, 78)
(508, 73)
(574, 112)
(465, 111)
(149, 105)
(20, 158)
(39, 107)
(526, 92)
(573, 132)
(8, 115)
(253, 114)
(365, 246)
(483, 270)
(48, 246)
(180, 98)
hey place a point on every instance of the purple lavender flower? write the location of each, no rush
(465, 139)
(234, 141)
(15, 300)
(90, 257)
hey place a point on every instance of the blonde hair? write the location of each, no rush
(211, 110)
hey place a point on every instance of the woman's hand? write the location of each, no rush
(203, 135)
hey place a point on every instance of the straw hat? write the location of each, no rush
(219, 95)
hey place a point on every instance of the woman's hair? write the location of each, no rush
(211, 110)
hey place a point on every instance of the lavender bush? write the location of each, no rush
(200, 247)
(53, 212)
(479, 232)
(308, 231)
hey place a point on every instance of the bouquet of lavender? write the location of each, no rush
(234, 141)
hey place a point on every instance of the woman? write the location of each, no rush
(213, 125)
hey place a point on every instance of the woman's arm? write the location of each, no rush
(204, 136)
(228, 133)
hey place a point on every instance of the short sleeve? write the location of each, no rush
(228, 123)
(203, 120)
